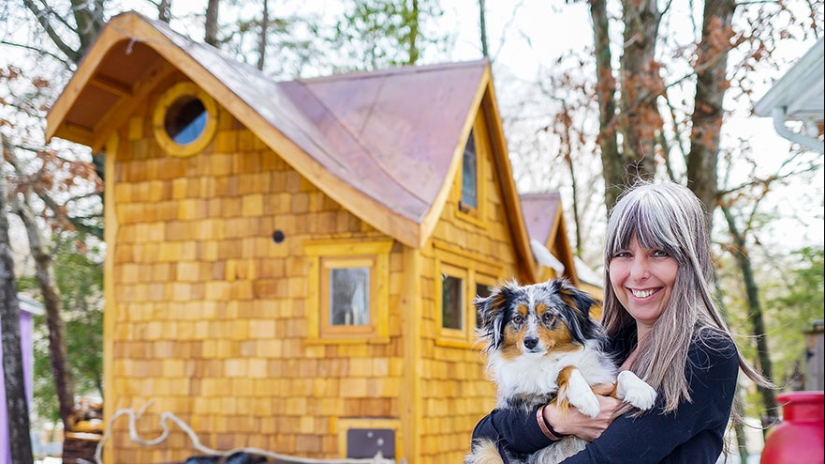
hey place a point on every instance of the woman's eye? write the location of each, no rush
(621, 254)
(660, 253)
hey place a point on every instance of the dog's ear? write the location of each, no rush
(492, 310)
(583, 326)
(581, 300)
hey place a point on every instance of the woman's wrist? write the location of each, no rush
(545, 426)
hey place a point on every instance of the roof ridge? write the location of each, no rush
(407, 69)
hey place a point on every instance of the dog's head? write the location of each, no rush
(537, 319)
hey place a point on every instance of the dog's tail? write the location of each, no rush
(484, 451)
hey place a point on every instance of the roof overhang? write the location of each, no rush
(799, 95)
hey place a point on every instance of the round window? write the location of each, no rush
(185, 119)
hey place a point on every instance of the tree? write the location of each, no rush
(376, 34)
(16, 401)
(79, 277)
(662, 103)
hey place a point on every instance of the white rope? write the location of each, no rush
(196, 444)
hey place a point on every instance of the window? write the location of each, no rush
(452, 302)
(349, 302)
(185, 119)
(469, 190)
(460, 277)
(469, 175)
(483, 290)
(348, 290)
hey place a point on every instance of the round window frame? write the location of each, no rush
(169, 98)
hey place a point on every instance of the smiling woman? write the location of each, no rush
(663, 326)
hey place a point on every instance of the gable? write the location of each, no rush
(386, 145)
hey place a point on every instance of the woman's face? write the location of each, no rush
(642, 279)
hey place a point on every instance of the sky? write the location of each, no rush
(528, 35)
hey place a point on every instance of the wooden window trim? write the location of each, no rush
(446, 333)
(330, 254)
(473, 269)
(465, 212)
(162, 106)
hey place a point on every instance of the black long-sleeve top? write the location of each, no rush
(693, 434)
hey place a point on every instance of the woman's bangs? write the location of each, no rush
(650, 228)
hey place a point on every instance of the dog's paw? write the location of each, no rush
(580, 395)
(634, 390)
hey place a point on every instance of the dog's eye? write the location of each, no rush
(518, 319)
(547, 318)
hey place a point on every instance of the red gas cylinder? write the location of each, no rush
(799, 438)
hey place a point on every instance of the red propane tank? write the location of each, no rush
(798, 439)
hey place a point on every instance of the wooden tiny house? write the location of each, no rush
(292, 264)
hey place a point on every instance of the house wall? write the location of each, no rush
(455, 391)
(207, 315)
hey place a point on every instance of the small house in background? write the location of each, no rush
(814, 356)
(290, 265)
(549, 241)
(28, 309)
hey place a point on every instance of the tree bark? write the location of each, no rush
(262, 38)
(641, 85)
(482, 26)
(165, 11)
(606, 96)
(711, 83)
(14, 378)
(412, 42)
(211, 26)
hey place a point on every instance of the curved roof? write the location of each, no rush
(385, 144)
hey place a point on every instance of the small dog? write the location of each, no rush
(543, 346)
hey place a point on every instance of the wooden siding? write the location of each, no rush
(206, 314)
(455, 391)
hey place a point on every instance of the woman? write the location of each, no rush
(663, 325)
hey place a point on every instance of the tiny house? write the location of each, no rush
(290, 265)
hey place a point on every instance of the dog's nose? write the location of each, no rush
(531, 342)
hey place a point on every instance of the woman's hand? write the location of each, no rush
(572, 422)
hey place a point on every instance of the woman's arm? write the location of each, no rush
(694, 432)
(521, 431)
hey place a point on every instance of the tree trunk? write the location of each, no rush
(262, 39)
(165, 11)
(711, 83)
(211, 26)
(641, 85)
(63, 379)
(412, 42)
(89, 19)
(14, 377)
(482, 26)
(612, 169)
(740, 253)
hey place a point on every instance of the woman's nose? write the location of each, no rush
(639, 268)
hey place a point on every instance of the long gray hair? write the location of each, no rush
(669, 217)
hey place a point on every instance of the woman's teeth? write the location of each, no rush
(643, 293)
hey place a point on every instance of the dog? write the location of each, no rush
(543, 346)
